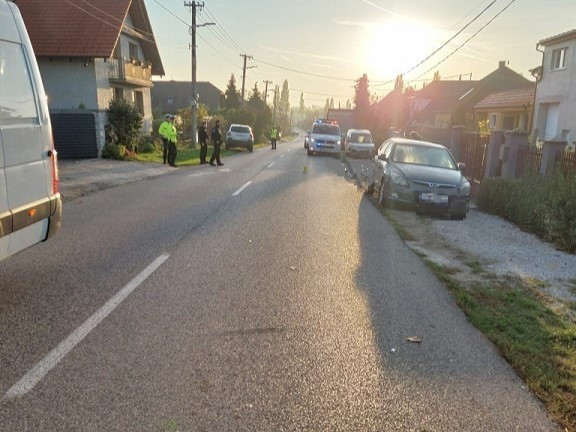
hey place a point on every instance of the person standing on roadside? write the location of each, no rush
(163, 131)
(203, 140)
(273, 137)
(173, 138)
(216, 137)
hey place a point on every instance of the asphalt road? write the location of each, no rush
(251, 297)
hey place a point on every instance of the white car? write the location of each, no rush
(240, 135)
(359, 142)
(325, 137)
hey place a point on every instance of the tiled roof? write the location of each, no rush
(444, 95)
(86, 28)
(571, 34)
(507, 99)
(74, 28)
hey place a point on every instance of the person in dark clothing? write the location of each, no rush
(216, 137)
(203, 140)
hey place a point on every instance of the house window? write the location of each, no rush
(493, 118)
(117, 94)
(558, 59)
(139, 101)
(133, 51)
(508, 123)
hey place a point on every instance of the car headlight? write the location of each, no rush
(398, 179)
(312, 140)
(465, 188)
(338, 142)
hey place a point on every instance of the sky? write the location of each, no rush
(322, 46)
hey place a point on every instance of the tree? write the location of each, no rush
(283, 115)
(436, 76)
(362, 109)
(399, 84)
(276, 102)
(302, 106)
(232, 96)
(262, 116)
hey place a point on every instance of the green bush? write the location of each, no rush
(114, 151)
(543, 206)
(146, 144)
(125, 122)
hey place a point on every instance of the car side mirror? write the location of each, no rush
(382, 157)
(461, 166)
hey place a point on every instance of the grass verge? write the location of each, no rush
(535, 336)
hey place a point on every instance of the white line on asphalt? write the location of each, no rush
(44, 366)
(242, 188)
(271, 165)
(282, 155)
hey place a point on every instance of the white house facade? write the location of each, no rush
(555, 100)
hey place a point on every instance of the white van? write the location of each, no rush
(324, 137)
(30, 205)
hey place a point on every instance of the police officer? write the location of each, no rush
(173, 140)
(203, 140)
(273, 137)
(216, 137)
(163, 131)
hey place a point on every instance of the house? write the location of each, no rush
(88, 54)
(171, 96)
(508, 110)
(555, 102)
(449, 103)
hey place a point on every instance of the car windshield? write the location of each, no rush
(241, 129)
(421, 155)
(361, 138)
(326, 129)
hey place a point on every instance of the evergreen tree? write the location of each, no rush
(399, 84)
(302, 106)
(284, 110)
(232, 95)
(436, 76)
(362, 110)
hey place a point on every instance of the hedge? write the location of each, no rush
(543, 206)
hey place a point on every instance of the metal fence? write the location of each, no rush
(529, 160)
(473, 152)
(566, 162)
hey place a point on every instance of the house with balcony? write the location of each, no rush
(88, 54)
(555, 102)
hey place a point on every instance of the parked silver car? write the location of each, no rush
(423, 175)
(359, 142)
(239, 135)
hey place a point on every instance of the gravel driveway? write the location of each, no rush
(498, 246)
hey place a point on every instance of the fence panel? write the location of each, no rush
(529, 159)
(566, 162)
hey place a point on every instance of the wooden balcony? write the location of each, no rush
(130, 72)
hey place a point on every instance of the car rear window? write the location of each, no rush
(326, 129)
(361, 138)
(241, 129)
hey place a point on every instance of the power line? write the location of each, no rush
(222, 30)
(172, 13)
(303, 72)
(468, 40)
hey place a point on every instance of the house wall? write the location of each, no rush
(69, 84)
(558, 87)
(519, 118)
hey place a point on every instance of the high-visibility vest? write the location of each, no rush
(273, 133)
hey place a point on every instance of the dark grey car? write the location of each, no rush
(423, 175)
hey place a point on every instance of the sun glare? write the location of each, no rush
(397, 46)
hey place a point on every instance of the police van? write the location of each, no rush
(324, 137)
(30, 204)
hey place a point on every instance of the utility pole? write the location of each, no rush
(194, 97)
(266, 89)
(246, 56)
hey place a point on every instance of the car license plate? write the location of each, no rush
(433, 198)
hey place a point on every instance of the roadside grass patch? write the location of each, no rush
(538, 342)
(475, 266)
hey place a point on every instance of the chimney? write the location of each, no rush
(502, 64)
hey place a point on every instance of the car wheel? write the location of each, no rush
(250, 149)
(227, 146)
(310, 153)
(382, 195)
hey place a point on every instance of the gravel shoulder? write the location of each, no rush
(482, 245)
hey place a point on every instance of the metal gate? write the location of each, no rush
(74, 135)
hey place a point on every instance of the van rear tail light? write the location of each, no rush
(55, 175)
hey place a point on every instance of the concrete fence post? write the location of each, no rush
(514, 141)
(456, 140)
(549, 152)
(493, 154)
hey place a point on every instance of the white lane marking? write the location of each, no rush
(57, 354)
(202, 174)
(282, 155)
(271, 165)
(242, 188)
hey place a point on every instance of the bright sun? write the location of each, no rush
(397, 46)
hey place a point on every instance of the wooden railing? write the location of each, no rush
(131, 71)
